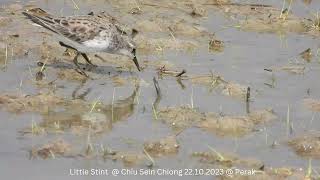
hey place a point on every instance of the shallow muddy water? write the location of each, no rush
(116, 119)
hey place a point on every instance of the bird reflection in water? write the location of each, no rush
(76, 115)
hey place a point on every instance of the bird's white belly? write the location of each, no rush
(97, 44)
(90, 46)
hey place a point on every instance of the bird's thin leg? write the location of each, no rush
(87, 59)
(66, 46)
(83, 54)
(79, 70)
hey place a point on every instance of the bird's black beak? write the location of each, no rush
(135, 59)
(136, 63)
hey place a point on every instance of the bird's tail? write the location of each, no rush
(40, 17)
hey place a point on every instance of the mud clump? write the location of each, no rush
(268, 173)
(263, 18)
(214, 81)
(306, 55)
(312, 104)
(39, 103)
(226, 160)
(128, 159)
(163, 147)
(4, 21)
(176, 26)
(274, 25)
(198, 11)
(314, 26)
(235, 90)
(57, 147)
(306, 145)
(228, 125)
(180, 118)
(294, 69)
(216, 45)
(255, 168)
(235, 126)
(208, 80)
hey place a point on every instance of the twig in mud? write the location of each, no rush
(216, 79)
(51, 82)
(248, 100)
(40, 74)
(316, 172)
(266, 135)
(157, 100)
(112, 105)
(289, 8)
(89, 148)
(137, 4)
(269, 85)
(180, 83)
(94, 104)
(163, 70)
(221, 158)
(285, 11)
(154, 111)
(30, 71)
(149, 157)
(20, 85)
(306, 54)
(5, 62)
(309, 170)
(75, 5)
(273, 80)
(178, 133)
(248, 95)
(11, 53)
(316, 21)
(156, 85)
(182, 72)
(288, 122)
(191, 97)
(171, 33)
(247, 107)
(43, 66)
(318, 54)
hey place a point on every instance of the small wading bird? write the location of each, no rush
(87, 33)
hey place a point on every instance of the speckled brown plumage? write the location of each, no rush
(87, 33)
